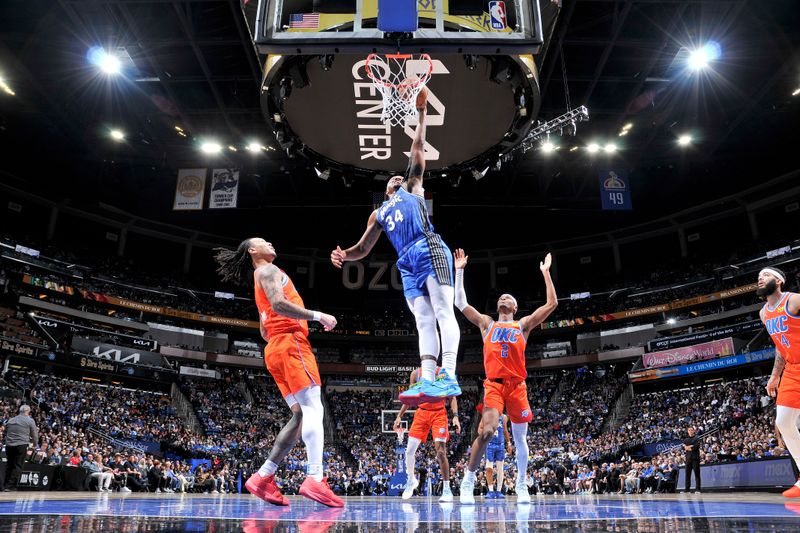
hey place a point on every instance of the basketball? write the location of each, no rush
(409, 86)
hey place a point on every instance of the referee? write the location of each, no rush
(21, 431)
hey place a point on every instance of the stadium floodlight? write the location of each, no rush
(701, 57)
(610, 148)
(796, 92)
(232, 148)
(684, 140)
(211, 147)
(593, 148)
(6, 87)
(564, 124)
(670, 321)
(105, 61)
(117, 135)
(548, 147)
(254, 147)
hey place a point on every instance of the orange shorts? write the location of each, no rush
(511, 396)
(789, 388)
(434, 421)
(291, 362)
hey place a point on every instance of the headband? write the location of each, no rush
(773, 272)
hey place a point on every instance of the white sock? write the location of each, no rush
(313, 432)
(267, 469)
(428, 369)
(446, 487)
(449, 364)
(520, 432)
(469, 475)
(411, 452)
(498, 476)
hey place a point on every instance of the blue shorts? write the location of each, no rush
(429, 256)
(495, 453)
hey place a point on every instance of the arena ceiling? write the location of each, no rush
(190, 64)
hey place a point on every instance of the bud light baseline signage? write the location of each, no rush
(615, 191)
(687, 354)
(118, 354)
(467, 114)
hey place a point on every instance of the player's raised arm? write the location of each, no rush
(416, 165)
(363, 247)
(269, 277)
(539, 315)
(472, 314)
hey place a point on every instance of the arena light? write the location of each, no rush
(254, 147)
(623, 133)
(593, 148)
(573, 149)
(670, 321)
(232, 148)
(627, 126)
(685, 140)
(610, 148)
(210, 147)
(548, 147)
(106, 62)
(701, 57)
(6, 87)
(117, 135)
(796, 92)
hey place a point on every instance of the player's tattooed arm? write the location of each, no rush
(269, 277)
(363, 247)
(777, 368)
(417, 163)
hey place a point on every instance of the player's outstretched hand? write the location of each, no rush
(457, 425)
(337, 257)
(328, 321)
(544, 266)
(460, 258)
(396, 425)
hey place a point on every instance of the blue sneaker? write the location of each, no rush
(491, 495)
(426, 391)
(499, 495)
(451, 384)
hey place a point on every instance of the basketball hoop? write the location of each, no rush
(400, 432)
(399, 78)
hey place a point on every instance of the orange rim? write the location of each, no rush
(423, 79)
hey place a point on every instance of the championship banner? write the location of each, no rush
(224, 188)
(615, 191)
(704, 336)
(653, 309)
(687, 354)
(190, 189)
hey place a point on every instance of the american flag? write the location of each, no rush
(304, 20)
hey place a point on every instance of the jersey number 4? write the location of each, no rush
(391, 219)
(785, 341)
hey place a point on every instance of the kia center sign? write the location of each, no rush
(337, 115)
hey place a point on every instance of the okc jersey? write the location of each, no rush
(274, 323)
(499, 438)
(404, 218)
(432, 406)
(783, 328)
(504, 351)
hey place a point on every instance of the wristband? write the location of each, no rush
(317, 316)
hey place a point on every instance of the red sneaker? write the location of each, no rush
(266, 489)
(792, 492)
(319, 491)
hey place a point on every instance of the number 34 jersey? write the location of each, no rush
(404, 218)
(504, 351)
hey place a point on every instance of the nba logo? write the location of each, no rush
(497, 15)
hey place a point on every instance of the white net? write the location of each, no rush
(399, 78)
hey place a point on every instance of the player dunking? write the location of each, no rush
(430, 417)
(781, 316)
(283, 321)
(504, 361)
(426, 267)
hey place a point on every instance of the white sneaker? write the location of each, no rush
(214, 491)
(523, 496)
(158, 491)
(411, 484)
(467, 488)
(447, 496)
(125, 490)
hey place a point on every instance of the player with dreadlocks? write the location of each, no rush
(283, 320)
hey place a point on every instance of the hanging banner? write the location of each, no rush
(615, 191)
(224, 188)
(190, 189)
(702, 336)
(687, 354)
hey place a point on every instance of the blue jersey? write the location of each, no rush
(499, 438)
(404, 218)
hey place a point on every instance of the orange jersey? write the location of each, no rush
(504, 351)
(784, 328)
(431, 406)
(274, 323)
